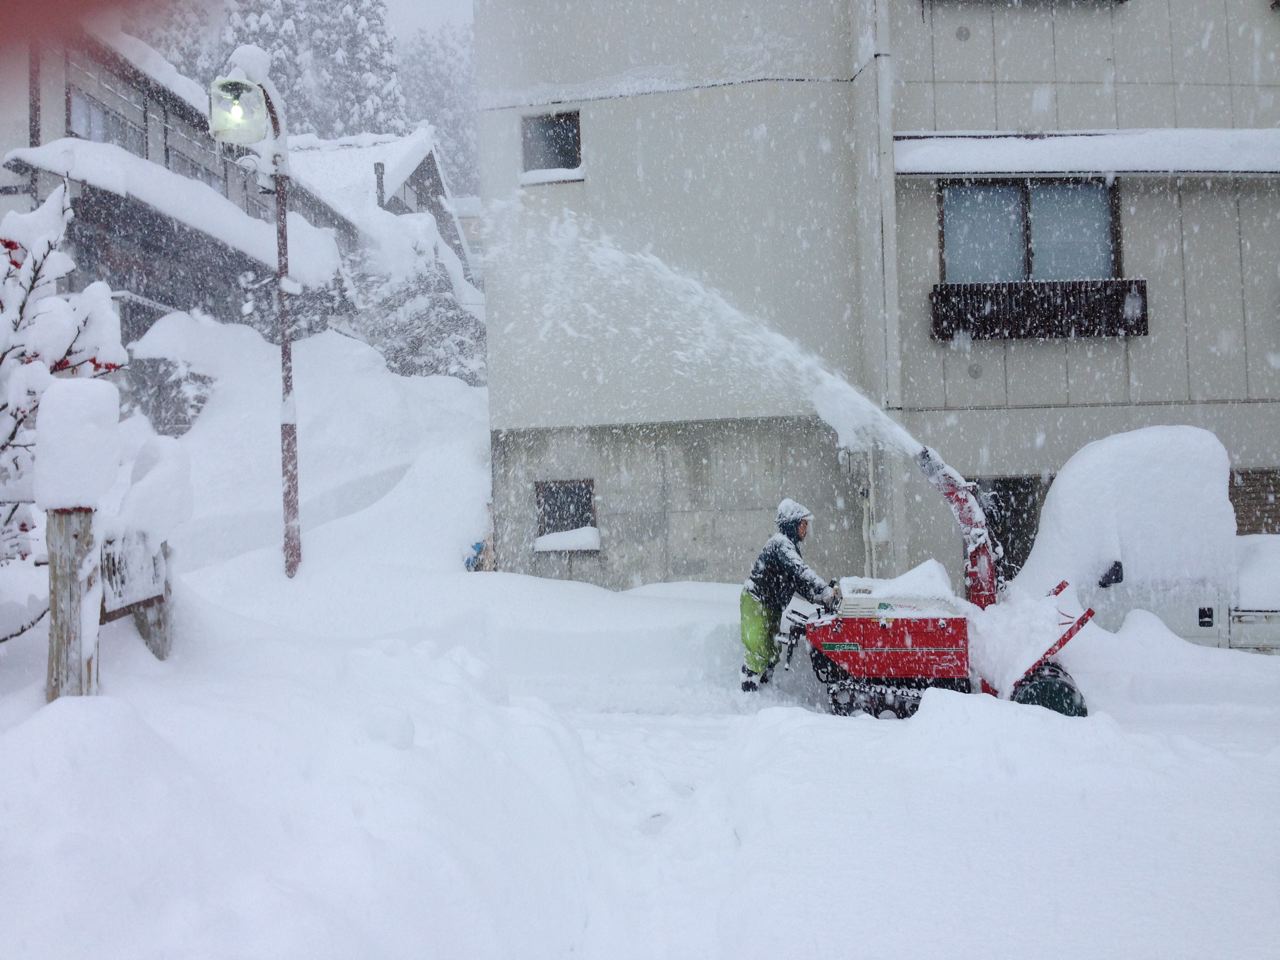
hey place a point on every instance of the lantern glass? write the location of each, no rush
(237, 112)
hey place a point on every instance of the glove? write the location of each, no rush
(832, 602)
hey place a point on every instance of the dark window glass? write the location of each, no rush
(1070, 231)
(90, 120)
(552, 142)
(1015, 517)
(1026, 230)
(984, 233)
(565, 505)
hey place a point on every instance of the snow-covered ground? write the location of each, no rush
(388, 757)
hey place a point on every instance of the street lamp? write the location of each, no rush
(240, 106)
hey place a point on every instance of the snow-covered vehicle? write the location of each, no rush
(1143, 520)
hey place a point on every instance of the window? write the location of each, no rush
(185, 166)
(1015, 518)
(1033, 259)
(91, 120)
(565, 505)
(552, 142)
(1029, 230)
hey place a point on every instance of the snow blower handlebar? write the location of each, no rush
(981, 578)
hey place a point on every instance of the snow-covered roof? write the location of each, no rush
(341, 171)
(149, 62)
(313, 251)
(1189, 151)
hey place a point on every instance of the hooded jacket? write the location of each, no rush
(780, 571)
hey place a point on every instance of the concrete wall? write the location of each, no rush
(539, 51)
(747, 191)
(690, 501)
(726, 142)
(1085, 64)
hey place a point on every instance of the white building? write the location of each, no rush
(1007, 296)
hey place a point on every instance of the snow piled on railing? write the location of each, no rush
(313, 251)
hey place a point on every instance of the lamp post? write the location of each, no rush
(240, 108)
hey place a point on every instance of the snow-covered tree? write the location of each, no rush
(438, 75)
(186, 32)
(335, 65)
(280, 29)
(372, 76)
(43, 334)
(417, 323)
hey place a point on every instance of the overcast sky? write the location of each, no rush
(406, 16)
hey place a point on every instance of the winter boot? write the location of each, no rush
(752, 681)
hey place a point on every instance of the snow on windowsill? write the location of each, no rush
(552, 175)
(582, 540)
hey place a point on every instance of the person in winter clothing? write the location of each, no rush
(779, 573)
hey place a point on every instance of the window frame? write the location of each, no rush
(1026, 184)
(1037, 309)
(111, 122)
(535, 175)
(541, 490)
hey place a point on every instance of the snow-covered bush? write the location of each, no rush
(43, 334)
(419, 326)
(311, 311)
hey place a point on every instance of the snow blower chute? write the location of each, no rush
(879, 654)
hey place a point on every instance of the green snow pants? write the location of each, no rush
(759, 627)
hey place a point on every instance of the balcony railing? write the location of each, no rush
(1040, 309)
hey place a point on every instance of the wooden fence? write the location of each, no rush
(90, 585)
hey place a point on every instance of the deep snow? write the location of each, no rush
(388, 757)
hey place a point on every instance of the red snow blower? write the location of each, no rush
(879, 654)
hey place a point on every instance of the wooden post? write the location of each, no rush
(75, 602)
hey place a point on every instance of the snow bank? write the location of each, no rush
(313, 252)
(159, 498)
(1153, 499)
(77, 450)
(388, 757)
(362, 432)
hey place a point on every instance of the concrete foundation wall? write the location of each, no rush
(692, 501)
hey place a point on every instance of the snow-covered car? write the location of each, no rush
(1142, 520)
